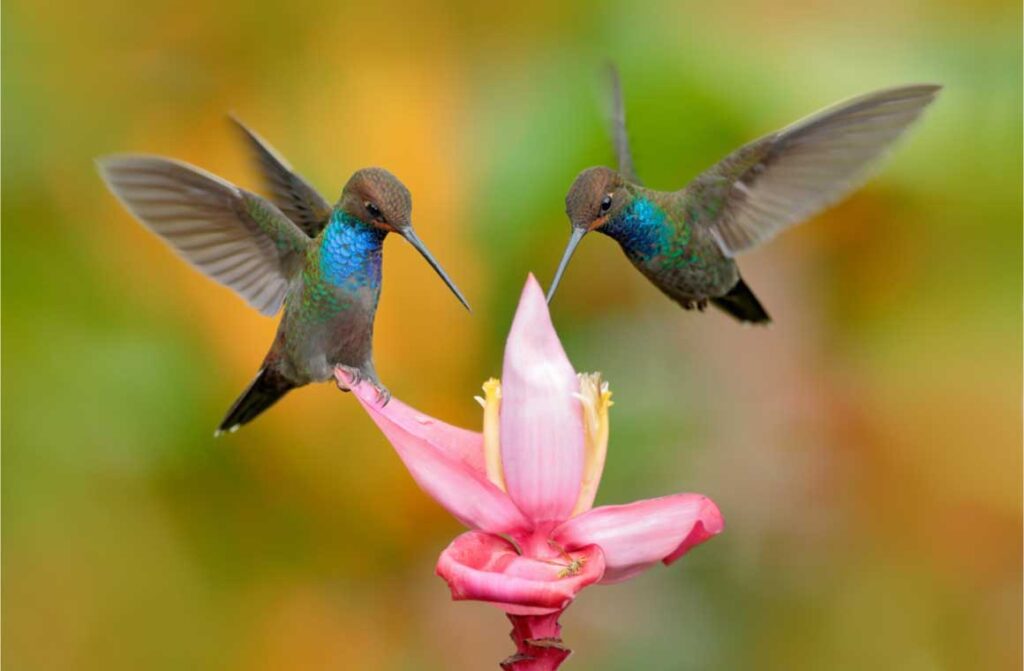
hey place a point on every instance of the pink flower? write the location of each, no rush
(526, 485)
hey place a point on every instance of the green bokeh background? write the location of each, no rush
(865, 449)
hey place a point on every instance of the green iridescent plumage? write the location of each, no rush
(685, 241)
(322, 263)
(660, 235)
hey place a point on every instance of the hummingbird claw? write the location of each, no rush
(383, 395)
(356, 377)
(354, 374)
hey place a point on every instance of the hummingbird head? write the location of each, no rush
(377, 198)
(596, 197)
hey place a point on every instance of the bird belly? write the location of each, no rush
(329, 327)
(692, 274)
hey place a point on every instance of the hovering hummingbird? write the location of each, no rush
(322, 263)
(685, 241)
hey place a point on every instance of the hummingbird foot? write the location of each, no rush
(383, 394)
(355, 376)
(699, 304)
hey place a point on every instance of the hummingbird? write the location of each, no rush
(685, 242)
(321, 263)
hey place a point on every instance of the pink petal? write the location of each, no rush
(635, 536)
(485, 567)
(541, 420)
(442, 470)
(459, 444)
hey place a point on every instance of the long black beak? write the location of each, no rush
(410, 236)
(574, 241)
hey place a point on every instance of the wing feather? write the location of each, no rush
(617, 120)
(788, 176)
(236, 237)
(290, 192)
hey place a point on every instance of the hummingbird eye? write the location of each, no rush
(606, 203)
(373, 210)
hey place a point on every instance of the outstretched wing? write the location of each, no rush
(290, 192)
(792, 174)
(617, 118)
(236, 237)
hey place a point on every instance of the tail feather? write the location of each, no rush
(742, 304)
(263, 392)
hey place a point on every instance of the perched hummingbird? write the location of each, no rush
(685, 241)
(322, 263)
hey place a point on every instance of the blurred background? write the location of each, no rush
(865, 449)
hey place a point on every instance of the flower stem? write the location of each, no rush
(538, 643)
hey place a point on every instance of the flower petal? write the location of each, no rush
(441, 468)
(635, 536)
(485, 567)
(541, 419)
(459, 444)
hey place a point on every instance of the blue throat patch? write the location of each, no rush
(640, 229)
(350, 252)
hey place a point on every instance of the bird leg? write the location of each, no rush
(357, 376)
(383, 393)
(688, 304)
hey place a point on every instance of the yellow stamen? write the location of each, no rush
(596, 399)
(574, 567)
(492, 443)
